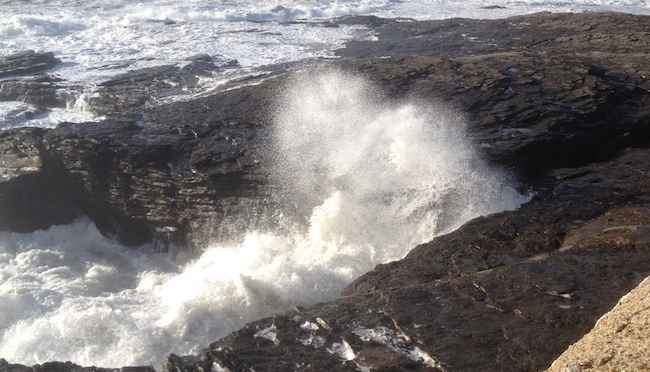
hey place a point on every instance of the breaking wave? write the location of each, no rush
(363, 180)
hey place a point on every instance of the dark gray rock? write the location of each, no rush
(41, 91)
(561, 99)
(142, 89)
(540, 91)
(24, 80)
(135, 90)
(27, 63)
(65, 367)
(506, 292)
(35, 189)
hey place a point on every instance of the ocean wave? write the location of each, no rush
(30, 26)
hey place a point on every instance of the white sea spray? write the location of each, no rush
(366, 179)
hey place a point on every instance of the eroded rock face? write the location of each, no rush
(35, 191)
(156, 181)
(539, 91)
(507, 292)
(27, 63)
(562, 100)
(40, 91)
(25, 83)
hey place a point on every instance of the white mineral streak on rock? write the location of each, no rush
(383, 335)
(342, 350)
(419, 354)
(396, 342)
(269, 333)
(314, 341)
(216, 367)
(309, 326)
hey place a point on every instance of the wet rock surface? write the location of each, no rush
(563, 100)
(27, 63)
(67, 366)
(540, 91)
(132, 91)
(619, 340)
(24, 78)
(507, 292)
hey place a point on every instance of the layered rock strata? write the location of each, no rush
(507, 292)
(563, 100)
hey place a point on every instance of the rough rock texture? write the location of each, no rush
(134, 90)
(539, 91)
(619, 341)
(159, 175)
(28, 170)
(561, 99)
(64, 367)
(507, 292)
(40, 91)
(24, 79)
(27, 63)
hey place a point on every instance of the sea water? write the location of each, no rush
(98, 39)
(371, 178)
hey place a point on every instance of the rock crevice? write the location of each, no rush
(561, 100)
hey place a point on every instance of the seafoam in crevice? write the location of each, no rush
(361, 180)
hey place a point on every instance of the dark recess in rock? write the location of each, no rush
(562, 100)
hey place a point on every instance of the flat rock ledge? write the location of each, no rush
(562, 100)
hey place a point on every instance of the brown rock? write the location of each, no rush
(563, 100)
(618, 342)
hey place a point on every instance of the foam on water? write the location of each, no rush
(98, 39)
(365, 180)
(19, 114)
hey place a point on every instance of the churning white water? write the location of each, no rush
(366, 179)
(99, 39)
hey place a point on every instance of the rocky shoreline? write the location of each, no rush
(562, 100)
